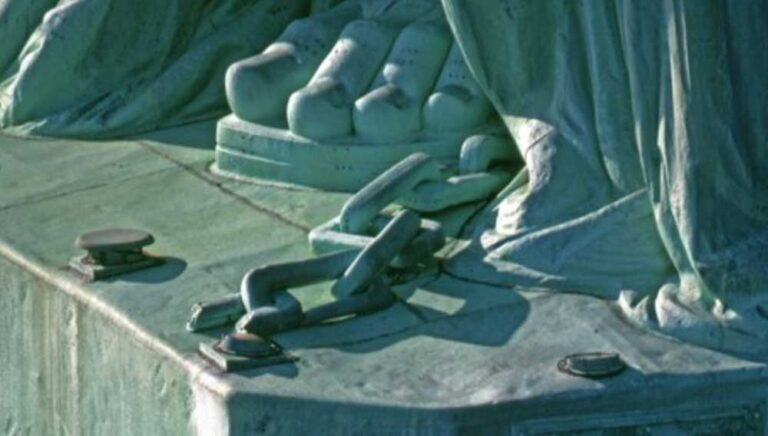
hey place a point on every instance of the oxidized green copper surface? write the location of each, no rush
(641, 129)
(450, 356)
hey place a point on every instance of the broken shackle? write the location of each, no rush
(262, 297)
(417, 183)
(361, 214)
(477, 179)
(264, 306)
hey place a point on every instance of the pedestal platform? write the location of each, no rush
(270, 151)
(451, 357)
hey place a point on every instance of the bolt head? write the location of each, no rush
(246, 345)
(592, 365)
(114, 240)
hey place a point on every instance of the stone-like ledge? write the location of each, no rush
(456, 356)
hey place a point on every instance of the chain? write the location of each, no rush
(362, 244)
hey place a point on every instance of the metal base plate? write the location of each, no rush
(260, 151)
(91, 271)
(231, 363)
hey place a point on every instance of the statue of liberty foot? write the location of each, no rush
(681, 309)
(343, 95)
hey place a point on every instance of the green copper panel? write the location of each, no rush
(68, 369)
(449, 357)
(641, 127)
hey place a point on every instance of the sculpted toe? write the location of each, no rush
(454, 108)
(319, 111)
(386, 114)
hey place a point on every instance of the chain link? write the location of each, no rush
(264, 306)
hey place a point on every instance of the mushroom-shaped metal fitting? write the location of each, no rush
(114, 240)
(114, 246)
(112, 252)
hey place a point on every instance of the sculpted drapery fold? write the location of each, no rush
(609, 98)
